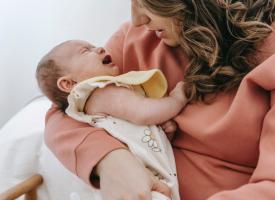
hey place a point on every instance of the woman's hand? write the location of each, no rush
(122, 176)
(169, 127)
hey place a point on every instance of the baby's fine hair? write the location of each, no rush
(47, 74)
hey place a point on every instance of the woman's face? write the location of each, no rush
(164, 27)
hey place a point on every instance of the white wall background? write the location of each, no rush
(29, 28)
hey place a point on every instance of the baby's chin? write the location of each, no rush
(116, 71)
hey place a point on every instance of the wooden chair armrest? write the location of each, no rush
(26, 187)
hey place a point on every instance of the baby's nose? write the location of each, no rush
(99, 50)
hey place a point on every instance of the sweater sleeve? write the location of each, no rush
(262, 182)
(78, 146)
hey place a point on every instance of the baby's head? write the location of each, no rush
(69, 63)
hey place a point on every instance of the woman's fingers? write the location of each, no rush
(162, 188)
(169, 126)
(159, 186)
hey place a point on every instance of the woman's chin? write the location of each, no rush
(171, 43)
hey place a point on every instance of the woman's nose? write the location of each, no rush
(99, 50)
(139, 20)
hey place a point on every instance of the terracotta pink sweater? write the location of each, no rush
(225, 150)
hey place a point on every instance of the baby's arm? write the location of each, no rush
(124, 103)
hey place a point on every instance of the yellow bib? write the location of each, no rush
(152, 81)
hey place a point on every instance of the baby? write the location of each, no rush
(81, 79)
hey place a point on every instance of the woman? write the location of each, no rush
(225, 143)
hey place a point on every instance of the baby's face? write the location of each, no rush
(83, 60)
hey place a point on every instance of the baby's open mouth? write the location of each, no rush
(107, 60)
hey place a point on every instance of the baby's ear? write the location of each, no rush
(65, 84)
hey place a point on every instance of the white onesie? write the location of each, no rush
(148, 143)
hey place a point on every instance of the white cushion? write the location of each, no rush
(23, 153)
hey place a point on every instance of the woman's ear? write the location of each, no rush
(65, 84)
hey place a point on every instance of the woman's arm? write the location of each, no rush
(126, 104)
(262, 182)
(78, 146)
(123, 177)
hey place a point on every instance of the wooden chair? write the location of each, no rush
(26, 187)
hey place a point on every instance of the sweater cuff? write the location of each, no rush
(90, 151)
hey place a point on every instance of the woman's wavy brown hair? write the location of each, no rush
(218, 36)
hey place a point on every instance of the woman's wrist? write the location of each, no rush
(111, 158)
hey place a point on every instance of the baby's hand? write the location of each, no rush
(178, 92)
(169, 127)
